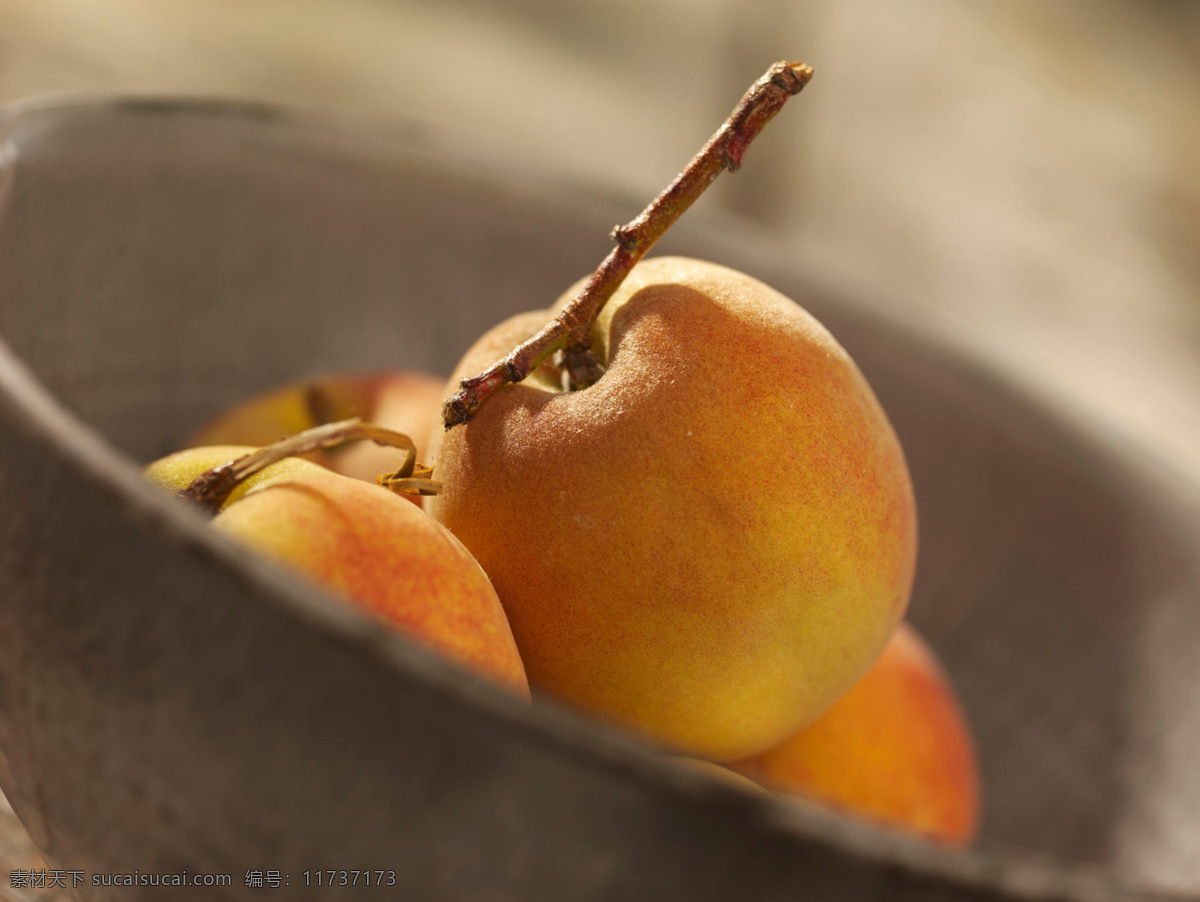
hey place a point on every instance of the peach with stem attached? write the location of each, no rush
(401, 400)
(365, 544)
(692, 489)
(726, 500)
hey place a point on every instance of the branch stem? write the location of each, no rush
(572, 327)
(212, 488)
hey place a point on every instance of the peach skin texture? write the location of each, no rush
(712, 542)
(895, 749)
(369, 546)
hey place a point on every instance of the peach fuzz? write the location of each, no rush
(895, 749)
(370, 547)
(727, 500)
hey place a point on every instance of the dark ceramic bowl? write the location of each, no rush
(168, 701)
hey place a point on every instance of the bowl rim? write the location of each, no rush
(31, 407)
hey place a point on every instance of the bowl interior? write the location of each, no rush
(162, 262)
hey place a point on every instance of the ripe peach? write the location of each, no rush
(727, 500)
(895, 749)
(369, 546)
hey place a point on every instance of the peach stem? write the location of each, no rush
(212, 488)
(572, 327)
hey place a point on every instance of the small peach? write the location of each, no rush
(369, 546)
(895, 748)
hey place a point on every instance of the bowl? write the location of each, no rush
(169, 703)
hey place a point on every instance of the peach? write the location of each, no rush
(727, 500)
(368, 546)
(895, 749)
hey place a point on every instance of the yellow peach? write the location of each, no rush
(728, 500)
(369, 546)
(896, 749)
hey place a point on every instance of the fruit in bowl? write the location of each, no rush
(367, 545)
(403, 400)
(726, 500)
(895, 749)
(693, 490)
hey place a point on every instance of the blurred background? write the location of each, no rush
(1024, 175)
